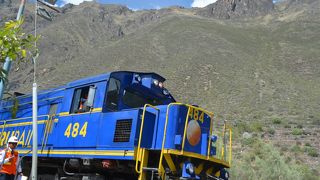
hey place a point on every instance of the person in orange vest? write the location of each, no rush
(9, 160)
(83, 104)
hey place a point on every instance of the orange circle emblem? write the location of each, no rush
(193, 132)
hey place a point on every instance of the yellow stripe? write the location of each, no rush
(84, 152)
(22, 124)
(195, 155)
(94, 110)
(63, 113)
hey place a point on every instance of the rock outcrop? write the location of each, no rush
(226, 9)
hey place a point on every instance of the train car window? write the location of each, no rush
(113, 93)
(53, 109)
(135, 100)
(80, 100)
(92, 93)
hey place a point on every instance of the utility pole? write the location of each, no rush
(34, 167)
(45, 14)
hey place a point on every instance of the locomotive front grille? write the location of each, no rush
(123, 130)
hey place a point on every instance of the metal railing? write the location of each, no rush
(47, 120)
(140, 157)
(224, 144)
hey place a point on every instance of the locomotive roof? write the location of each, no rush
(102, 77)
(88, 80)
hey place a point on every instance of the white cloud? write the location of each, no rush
(133, 9)
(75, 2)
(202, 3)
(157, 7)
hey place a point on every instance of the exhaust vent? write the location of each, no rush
(123, 130)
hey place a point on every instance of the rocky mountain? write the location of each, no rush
(253, 63)
(227, 9)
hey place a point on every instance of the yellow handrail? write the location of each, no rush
(24, 118)
(46, 131)
(210, 134)
(164, 136)
(230, 146)
(224, 144)
(184, 131)
(4, 126)
(16, 119)
(140, 134)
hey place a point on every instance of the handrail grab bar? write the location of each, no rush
(140, 134)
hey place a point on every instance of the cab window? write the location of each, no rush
(135, 99)
(113, 93)
(80, 100)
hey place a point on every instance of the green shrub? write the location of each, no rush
(287, 126)
(256, 126)
(244, 127)
(276, 121)
(308, 144)
(311, 151)
(264, 161)
(284, 148)
(297, 131)
(296, 149)
(271, 131)
(248, 141)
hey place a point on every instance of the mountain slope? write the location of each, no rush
(253, 72)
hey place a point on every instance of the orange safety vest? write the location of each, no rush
(10, 167)
(81, 105)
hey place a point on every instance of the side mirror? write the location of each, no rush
(92, 92)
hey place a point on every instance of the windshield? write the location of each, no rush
(135, 100)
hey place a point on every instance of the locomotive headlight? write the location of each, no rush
(190, 168)
(214, 138)
(155, 82)
(161, 84)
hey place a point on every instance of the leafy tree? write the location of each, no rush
(15, 44)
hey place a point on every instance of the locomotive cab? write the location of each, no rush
(134, 90)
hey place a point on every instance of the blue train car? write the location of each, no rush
(119, 125)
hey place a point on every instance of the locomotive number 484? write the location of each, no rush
(74, 130)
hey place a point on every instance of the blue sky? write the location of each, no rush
(146, 4)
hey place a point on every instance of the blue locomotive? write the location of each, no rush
(119, 125)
